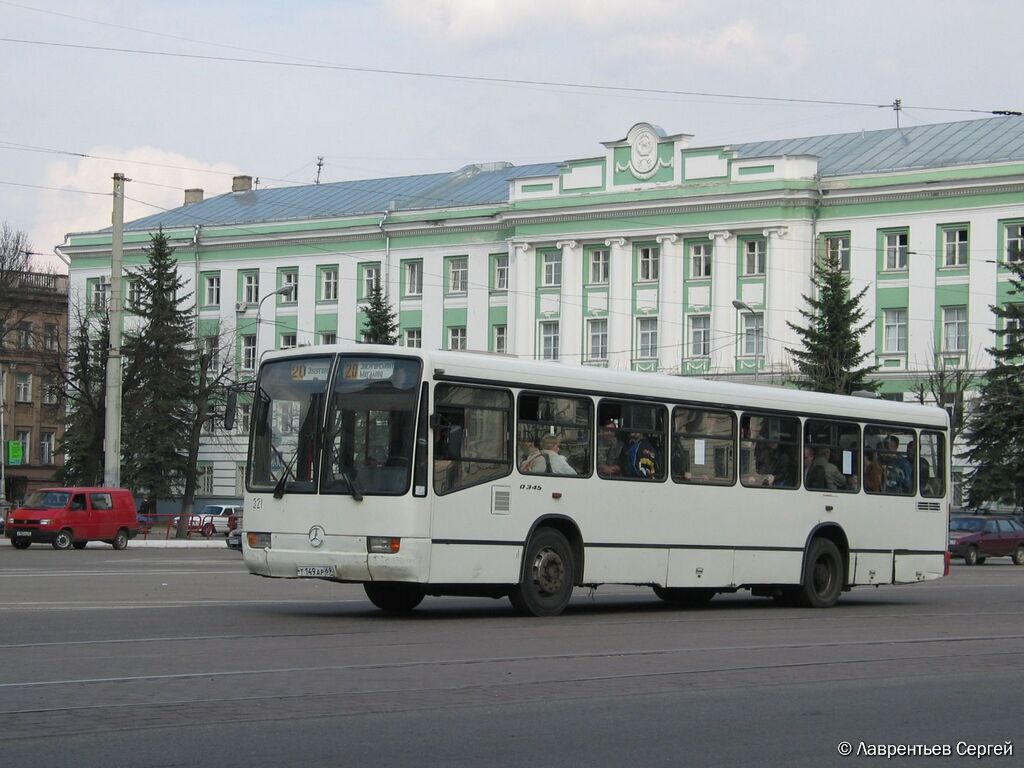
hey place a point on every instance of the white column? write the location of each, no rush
(266, 333)
(521, 301)
(570, 308)
(620, 304)
(782, 287)
(305, 325)
(478, 328)
(432, 300)
(723, 291)
(670, 305)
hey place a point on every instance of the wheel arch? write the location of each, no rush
(834, 533)
(568, 528)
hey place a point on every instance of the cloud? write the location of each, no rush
(158, 180)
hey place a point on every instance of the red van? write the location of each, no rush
(72, 517)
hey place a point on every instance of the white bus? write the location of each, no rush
(452, 473)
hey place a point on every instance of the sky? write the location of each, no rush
(379, 88)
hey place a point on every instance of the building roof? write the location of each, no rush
(991, 140)
(468, 186)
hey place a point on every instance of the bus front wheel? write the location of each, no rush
(395, 596)
(823, 575)
(548, 573)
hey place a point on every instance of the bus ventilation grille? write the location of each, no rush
(501, 501)
(929, 506)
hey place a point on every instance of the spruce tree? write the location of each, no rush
(83, 380)
(830, 353)
(381, 325)
(158, 384)
(996, 427)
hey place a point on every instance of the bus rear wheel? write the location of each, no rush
(394, 596)
(685, 596)
(549, 570)
(823, 575)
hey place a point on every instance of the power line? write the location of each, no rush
(615, 89)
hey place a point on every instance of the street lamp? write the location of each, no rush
(259, 307)
(742, 306)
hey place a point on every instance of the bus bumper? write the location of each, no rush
(291, 553)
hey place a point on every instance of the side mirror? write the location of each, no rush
(230, 409)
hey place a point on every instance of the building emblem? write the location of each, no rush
(643, 153)
(317, 535)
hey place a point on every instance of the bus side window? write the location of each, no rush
(703, 445)
(932, 464)
(471, 436)
(555, 435)
(769, 451)
(890, 457)
(831, 456)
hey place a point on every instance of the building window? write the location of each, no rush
(23, 387)
(204, 479)
(599, 267)
(1015, 243)
(50, 392)
(700, 260)
(501, 272)
(371, 279)
(649, 263)
(211, 348)
(1013, 331)
(98, 298)
(47, 445)
(896, 249)
(249, 352)
(753, 334)
(414, 278)
(954, 329)
(212, 290)
(328, 337)
(552, 276)
(290, 280)
(251, 287)
(597, 339)
(457, 337)
(413, 338)
(329, 284)
(549, 340)
(700, 335)
(289, 341)
(955, 244)
(458, 275)
(50, 337)
(24, 436)
(837, 251)
(134, 295)
(24, 336)
(754, 257)
(647, 336)
(500, 339)
(895, 330)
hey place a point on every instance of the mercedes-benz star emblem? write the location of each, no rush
(317, 535)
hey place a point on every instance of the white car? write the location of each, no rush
(213, 519)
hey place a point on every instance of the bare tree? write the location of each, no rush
(15, 261)
(946, 386)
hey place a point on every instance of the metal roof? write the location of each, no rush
(995, 139)
(472, 185)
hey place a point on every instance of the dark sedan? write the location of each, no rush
(977, 538)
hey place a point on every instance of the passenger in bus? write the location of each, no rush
(823, 474)
(872, 472)
(808, 461)
(641, 457)
(550, 461)
(611, 452)
(924, 471)
(532, 452)
(899, 473)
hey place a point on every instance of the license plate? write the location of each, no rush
(316, 571)
(23, 533)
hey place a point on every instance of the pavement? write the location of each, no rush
(155, 541)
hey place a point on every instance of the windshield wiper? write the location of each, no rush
(357, 494)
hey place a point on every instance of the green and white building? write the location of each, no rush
(654, 254)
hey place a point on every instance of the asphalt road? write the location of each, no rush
(152, 657)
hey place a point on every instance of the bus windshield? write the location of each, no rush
(287, 413)
(371, 422)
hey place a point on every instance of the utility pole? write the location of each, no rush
(897, 107)
(112, 426)
(319, 167)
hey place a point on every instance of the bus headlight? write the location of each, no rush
(258, 540)
(386, 545)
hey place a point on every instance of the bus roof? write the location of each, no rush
(504, 370)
